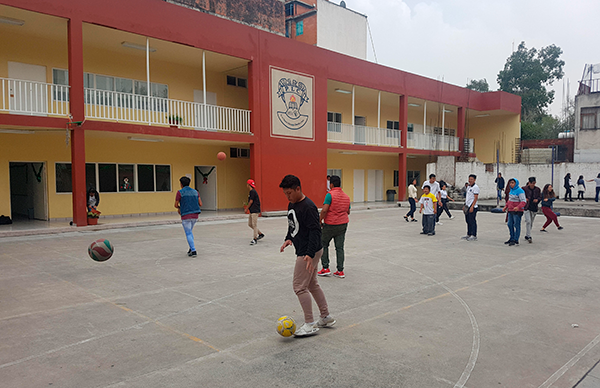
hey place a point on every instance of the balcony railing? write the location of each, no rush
(134, 108)
(359, 134)
(427, 141)
(33, 98)
(589, 86)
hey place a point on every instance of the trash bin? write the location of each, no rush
(391, 195)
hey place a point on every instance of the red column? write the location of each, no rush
(460, 128)
(76, 105)
(403, 120)
(254, 106)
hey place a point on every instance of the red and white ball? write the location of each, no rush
(101, 250)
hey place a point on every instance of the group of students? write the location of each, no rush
(569, 186)
(309, 231)
(525, 201)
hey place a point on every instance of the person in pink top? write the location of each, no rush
(334, 218)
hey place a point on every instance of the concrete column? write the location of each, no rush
(402, 167)
(77, 108)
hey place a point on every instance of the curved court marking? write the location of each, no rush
(474, 326)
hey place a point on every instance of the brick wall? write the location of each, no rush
(265, 14)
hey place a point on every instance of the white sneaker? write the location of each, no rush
(465, 237)
(472, 238)
(328, 321)
(439, 223)
(253, 242)
(451, 217)
(306, 330)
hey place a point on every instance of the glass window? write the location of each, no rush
(60, 77)
(410, 175)
(88, 80)
(126, 177)
(289, 9)
(393, 124)
(242, 82)
(231, 80)
(410, 128)
(63, 178)
(108, 178)
(90, 175)
(145, 177)
(105, 83)
(589, 118)
(123, 85)
(300, 28)
(141, 88)
(396, 173)
(159, 90)
(163, 178)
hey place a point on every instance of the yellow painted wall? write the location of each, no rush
(50, 148)
(487, 131)
(34, 51)
(348, 163)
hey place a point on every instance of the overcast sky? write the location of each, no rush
(471, 39)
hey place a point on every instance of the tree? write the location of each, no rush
(547, 126)
(479, 85)
(526, 73)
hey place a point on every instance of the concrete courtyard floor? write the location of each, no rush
(413, 311)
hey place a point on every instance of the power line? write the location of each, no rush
(372, 43)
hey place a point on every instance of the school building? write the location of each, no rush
(128, 96)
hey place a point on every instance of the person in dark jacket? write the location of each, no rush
(580, 188)
(568, 185)
(547, 208)
(533, 194)
(499, 186)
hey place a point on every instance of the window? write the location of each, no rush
(145, 174)
(64, 183)
(90, 175)
(243, 153)
(163, 178)
(410, 128)
(289, 9)
(446, 131)
(396, 174)
(60, 77)
(126, 178)
(235, 81)
(107, 174)
(393, 124)
(590, 118)
(334, 121)
(300, 28)
(410, 175)
(63, 178)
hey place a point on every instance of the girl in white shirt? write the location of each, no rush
(412, 200)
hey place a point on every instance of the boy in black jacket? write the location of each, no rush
(304, 232)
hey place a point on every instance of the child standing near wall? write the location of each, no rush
(428, 208)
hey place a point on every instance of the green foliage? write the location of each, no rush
(480, 85)
(547, 126)
(526, 73)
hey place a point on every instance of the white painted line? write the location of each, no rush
(559, 373)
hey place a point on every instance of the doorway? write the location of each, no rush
(29, 97)
(359, 186)
(28, 192)
(375, 185)
(206, 184)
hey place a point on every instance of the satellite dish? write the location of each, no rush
(343, 4)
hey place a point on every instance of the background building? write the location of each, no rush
(150, 91)
(326, 24)
(587, 116)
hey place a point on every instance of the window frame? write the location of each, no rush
(300, 27)
(591, 113)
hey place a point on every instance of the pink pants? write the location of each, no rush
(305, 285)
(550, 216)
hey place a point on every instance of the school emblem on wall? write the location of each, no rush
(291, 104)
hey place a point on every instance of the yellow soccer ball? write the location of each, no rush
(286, 326)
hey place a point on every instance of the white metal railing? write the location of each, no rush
(33, 98)
(359, 134)
(134, 108)
(469, 145)
(428, 141)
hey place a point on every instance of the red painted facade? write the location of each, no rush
(272, 158)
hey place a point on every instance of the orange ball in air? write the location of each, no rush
(221, 156)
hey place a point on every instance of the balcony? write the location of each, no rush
(427, 141)
(362, 135)
(138, 109)
(33, 98)
(589, 86)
